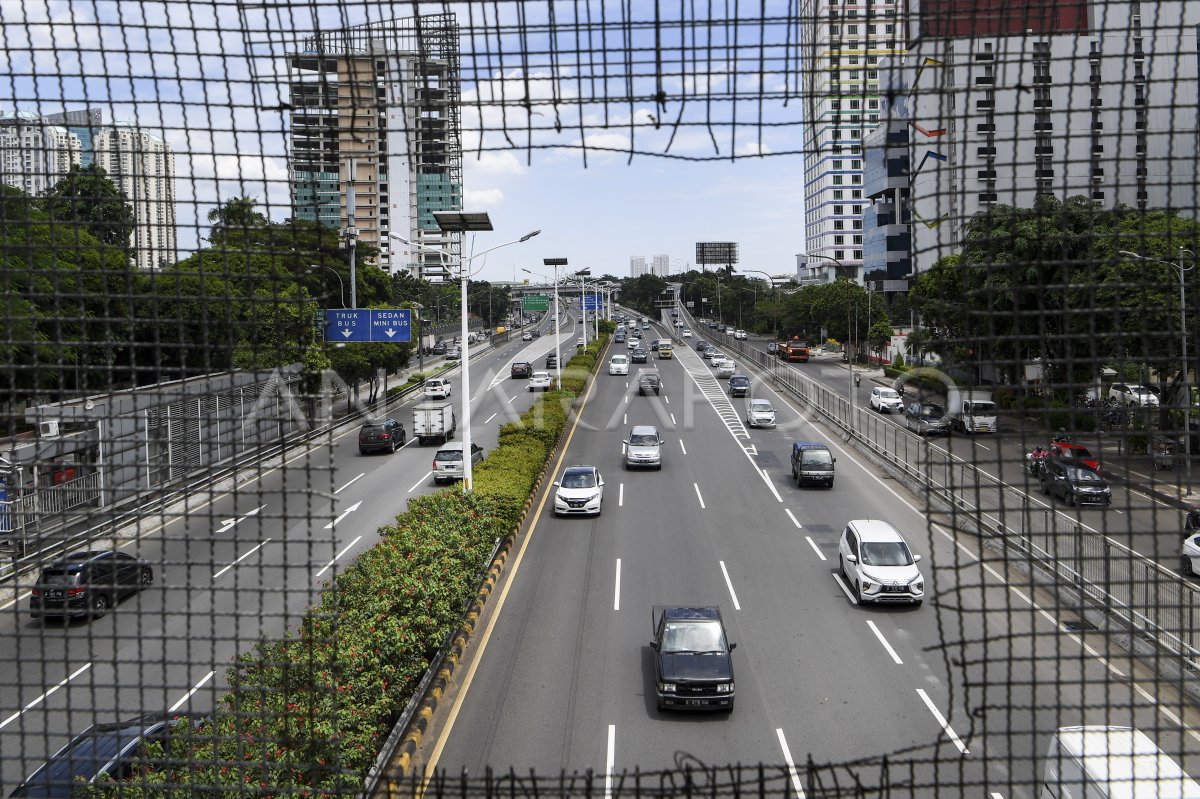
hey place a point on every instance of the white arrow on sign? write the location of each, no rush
(347, 333)
(389, 332)
(228, 523)
(344, 514)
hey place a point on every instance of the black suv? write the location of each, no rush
(1073, 483)
(739, 386)
(693, 664)
(649, 381)
(381, 435)
(521, 370)
(88, 583)
(99, 753)
(638, 355)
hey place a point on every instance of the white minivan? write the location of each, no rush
(618, 365)
(1106, 761)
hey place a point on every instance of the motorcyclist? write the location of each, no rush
(857, 379)
(1036, 458)
(1192, 522)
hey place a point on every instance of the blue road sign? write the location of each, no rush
(391, 325)
(594, 302)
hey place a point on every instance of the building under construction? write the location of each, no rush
(375, 108)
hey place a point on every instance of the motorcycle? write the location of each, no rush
(857, 380)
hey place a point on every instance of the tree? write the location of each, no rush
(235, 220)
(86, 199)
(879, 336)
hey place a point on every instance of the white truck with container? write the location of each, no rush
(1111, 763)
(976, 412)
(434, 422)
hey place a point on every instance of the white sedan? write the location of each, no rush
(633, 343)
(539, 381)
(618, 365)
(1191, 554)
(687, 333)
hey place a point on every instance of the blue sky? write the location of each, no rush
(208, 76)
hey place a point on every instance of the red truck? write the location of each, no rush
(794, 350)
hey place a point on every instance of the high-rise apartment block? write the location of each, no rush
(660, 265)
(34, 154)
(637, 266)
(842, 44)
(998, 103)
(383, 97)
(84, 123)
(142, 166)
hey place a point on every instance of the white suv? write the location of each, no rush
(877, 564)
(437, 388)
(886, 400)
(1128, 394)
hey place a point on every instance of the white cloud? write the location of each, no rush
(493, 163)
(482, 198)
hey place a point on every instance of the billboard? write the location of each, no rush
(724, 253)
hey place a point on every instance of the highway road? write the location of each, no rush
(237, 565)
(1136, 519)
(961, 694)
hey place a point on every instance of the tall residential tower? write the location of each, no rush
(142, 166)
(842, 44)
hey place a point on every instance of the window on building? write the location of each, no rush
(856, 194)
(839, 224)
(839, 239)
(852, 29)
(855, 104)
(837, 180)
(872, 74)
(837, 164)
(858, 239)
(838, 210)
(856, 164)
(837, 194)
(839, 254)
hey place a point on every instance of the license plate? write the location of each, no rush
(694, 702)
(896, 589)
(53, 594)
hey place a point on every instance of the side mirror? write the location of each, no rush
(916, 558)
(732, 647)
(654, 645)
(835, 460)
(601, 481)
(555, 484)
(852, 558)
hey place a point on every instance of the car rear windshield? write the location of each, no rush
(58, 577)
(643, 440)
(579, 480)
(886, 553)
(373, 428)
(693, 636)
(448, 455)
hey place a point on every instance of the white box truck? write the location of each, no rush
(976, 413)
(434, 422)
(1112, 763)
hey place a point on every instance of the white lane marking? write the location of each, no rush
(699, 496)
(19, 598)
(610, 763)
(243, 557)
(514, 398)
(995, 795)
(682, 447)
(352, 482)
(813, 544)
(937, 714)
(490, 418)
(884, 641)
(626, 384)
(189, 694)
(344, 514)
(837, 578)
(788, 511)
(617, 589)
(626, 399)
(337, 557)
(625, 419)
(767, 479)
(729, 584)
(673, 420)
(42, 698)
(417, 484)
(667, 400)
(228, 523)
(787, 758)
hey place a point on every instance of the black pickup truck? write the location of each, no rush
(693, 664)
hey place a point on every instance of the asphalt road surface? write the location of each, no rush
(236, 566)
(961, 694)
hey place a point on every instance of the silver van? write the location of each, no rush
(448, 461)
(643, 447)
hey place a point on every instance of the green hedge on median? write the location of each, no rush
(306, 715)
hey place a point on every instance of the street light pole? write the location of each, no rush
(341, 285)
(460, 222)
(1181, 271)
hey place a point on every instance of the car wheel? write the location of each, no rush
(1042, 487)
(842, 568)
(858, 594)
(99, 604)
(146, 578)
(1186, 567)
(1069, 497)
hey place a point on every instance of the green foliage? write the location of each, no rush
(845, 309)
(898, 361)
(86, 200)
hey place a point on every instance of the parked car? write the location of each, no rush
(759, 412)
(638, 355)
(926, 418)
(580, 490)
(520, 370)
(618, 365)
(540, 381)
(877, 565)
(381, 435)
(1073, 483)
(693, 659)
(448, 461)
(437, 388)
(886, 400)
(1130, 394)
(98, 754)
(88, 583)
(643, 447)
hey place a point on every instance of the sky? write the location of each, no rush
(555, 94)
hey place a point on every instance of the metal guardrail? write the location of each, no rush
(1149, 600)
